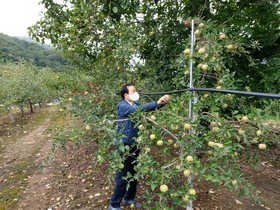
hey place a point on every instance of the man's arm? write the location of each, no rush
(126, 109)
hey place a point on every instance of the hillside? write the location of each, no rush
(28, 39)
(14, 49)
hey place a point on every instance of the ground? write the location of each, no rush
(73, 180)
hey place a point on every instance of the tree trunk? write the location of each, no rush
(11, 114)
(31, 108)
(22, 114)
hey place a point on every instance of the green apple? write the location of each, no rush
(88, 128)
(159, 142)
(153, 117)
(210, 152)
(170, 141)
(222, 36)
(204, 67)
(187, 172)
(216, 129)
(201, 51)
(187, 126)
(163, 188)
(152, 136)
(189, 158)
(187, 51)
(262, 146)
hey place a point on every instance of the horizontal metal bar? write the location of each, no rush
(235, 92)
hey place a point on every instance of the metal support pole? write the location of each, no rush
(191, 115)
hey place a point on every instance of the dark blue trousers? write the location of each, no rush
(120, 191)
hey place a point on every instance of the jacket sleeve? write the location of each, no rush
(126, 109)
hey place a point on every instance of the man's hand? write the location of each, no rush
(164, 99)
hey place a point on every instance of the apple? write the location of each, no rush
(86, 21)
(219, 87)
(229, 97)
(201, 51)
(203, 99)
(187, 72)
(126, 60)
(70, 49)
(141, 127)
(91, 17)
(233, 182)
(80, 104)
(69, 177)
(205, 95)
(219, 145)
(101, 37)
(186, 198)
(121, 166)
(78, 19)
(235, 153)
(197, 32)
(255, 140)
(225, 105)
(201, 25)
(139, 139)
(88, 128)
(187, 126)
(187, 51)
(147, 149)
(211, 143)
(152, 33)
(262, 146)
(213, 124)
(187, 172)
(152, 136)
(187, 23)
(244, 119)
(234, 47)
(113, 116)
(70, 99)
(230, 47)
(127, 70)
(153, 117)
(170, 141)
(97, 14)
(136, 69)
(174, 128)
(119, 68)
(80, 31)
(163, 188)
(83, 180)
(200, 65)
(192, 192)
(222, 36)
(159, 142)
(132, 206)
(216, 129)
(220, 82)
(206, 56)
(217, 69)
(90, 28)
(176, 145)
(259, 133)
(204, 67)
(189, 158)
(241, 131)
(210, 152)
(61, 110)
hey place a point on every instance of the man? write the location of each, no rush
(128, 128)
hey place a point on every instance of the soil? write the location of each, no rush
(73, 180)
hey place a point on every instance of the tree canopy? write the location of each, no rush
(110, 34)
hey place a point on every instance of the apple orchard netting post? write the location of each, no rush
(191, 115)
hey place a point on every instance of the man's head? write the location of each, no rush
(129, 93)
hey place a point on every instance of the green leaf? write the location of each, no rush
(115, 9)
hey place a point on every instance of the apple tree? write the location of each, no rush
(147, 43)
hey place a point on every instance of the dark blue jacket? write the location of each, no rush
(126, 127)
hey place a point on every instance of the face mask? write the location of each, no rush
(134, 96)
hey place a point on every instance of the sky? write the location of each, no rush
(17, 15)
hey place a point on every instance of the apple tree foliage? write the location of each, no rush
(144, 43)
